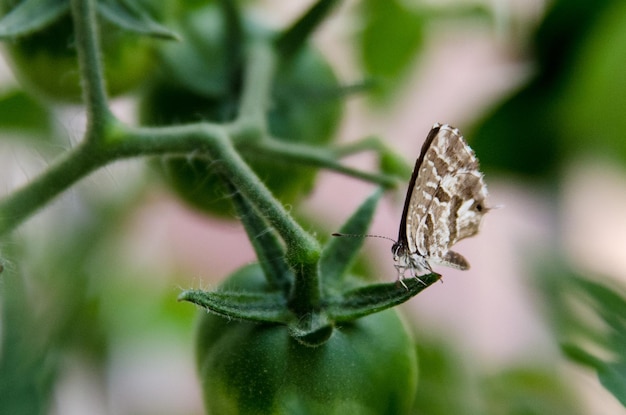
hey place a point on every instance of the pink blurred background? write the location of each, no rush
(489, 310)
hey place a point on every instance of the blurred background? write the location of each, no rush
(89, 318)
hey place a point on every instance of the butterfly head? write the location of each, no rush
(398, 249)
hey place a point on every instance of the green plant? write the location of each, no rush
(44, 58)
(303, 329)
(307, 288)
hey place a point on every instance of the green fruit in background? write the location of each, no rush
(201, 82)
(46, 63)
(368, 366)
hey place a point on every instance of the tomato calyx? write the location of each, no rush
(342, 297)
(31, 16)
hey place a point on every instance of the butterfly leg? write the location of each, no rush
(401, 269)
(418, 278)
(419, 266)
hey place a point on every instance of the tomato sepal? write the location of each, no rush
(131, 17)
(251, 306)
(372, 298)
(31, 16)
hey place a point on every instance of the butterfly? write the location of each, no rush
(445, 202)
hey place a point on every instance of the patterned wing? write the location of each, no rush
(447, 198)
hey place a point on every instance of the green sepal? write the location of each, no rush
(373, 298)
(339, 254)
(290, 41)
(256, 307)
(268, 248)
(129, 16)
(30, 16)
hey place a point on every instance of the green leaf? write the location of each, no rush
(259, 307)
(613, 378)
(339, 254)
(129, 16)
(590, 319)
(30, 16)
(392, 36)
(591, 108)
(520, 134)
(564, 29)
(291, 40)
(610, 304)
(580, 355)
(373, 298)
(268, 248)
(19, 112)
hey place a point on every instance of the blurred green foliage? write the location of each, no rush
(588, 316)
(393, 35)
(24, 115)
(63, 292)
(449, 384)
(573, 102)
(73, 301)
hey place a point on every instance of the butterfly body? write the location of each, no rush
(445, 203)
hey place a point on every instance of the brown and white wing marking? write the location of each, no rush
(445, 201)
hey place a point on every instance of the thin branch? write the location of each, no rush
(314, 156)
(369, 143)
(90, 66)
(303, 250)
(59, 176)
(213, 141)
(258, 78)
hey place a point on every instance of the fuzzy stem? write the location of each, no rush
(213, 141)
(303, 251)
(258, 77)
(358, 146)
(90, 66)
(302, 154)
(59, 176)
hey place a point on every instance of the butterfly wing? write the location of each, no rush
(447, 198)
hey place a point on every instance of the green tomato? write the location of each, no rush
(46, 61)
(194, 87)
(368, 366)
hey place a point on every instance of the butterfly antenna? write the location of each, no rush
(353, 235)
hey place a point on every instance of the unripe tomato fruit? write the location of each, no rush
(304, 109)
(368, 366)
(46, 62)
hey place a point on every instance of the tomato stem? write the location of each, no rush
(70, 168)
(259, 74)
(305, 155)
(90, 66)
